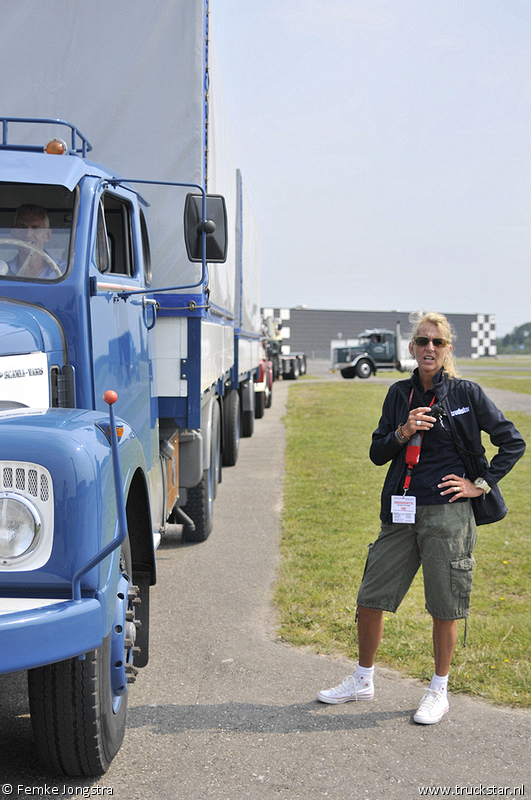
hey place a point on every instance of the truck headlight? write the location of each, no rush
(20, 525)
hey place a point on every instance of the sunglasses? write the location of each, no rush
(422, 341)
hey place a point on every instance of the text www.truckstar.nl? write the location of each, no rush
(490, 790)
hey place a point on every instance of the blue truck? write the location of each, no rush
(129, 343)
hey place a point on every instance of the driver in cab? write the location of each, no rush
(32, 225)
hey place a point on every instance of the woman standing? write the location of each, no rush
(430, 431)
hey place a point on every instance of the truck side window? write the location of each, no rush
(114, 227)
(103, 253)
(146, 252)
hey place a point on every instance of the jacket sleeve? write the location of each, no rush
(502, 432)
(384, 446)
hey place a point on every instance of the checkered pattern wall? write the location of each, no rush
(484, 335)
(310, 331)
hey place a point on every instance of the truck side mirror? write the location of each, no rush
(215, 228)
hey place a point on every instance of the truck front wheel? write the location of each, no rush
(363, 369)
(348, 372)
(78, 706)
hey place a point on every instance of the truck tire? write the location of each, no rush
(259, 405)
(200, 504)
(247, 423)
(294, 371)
(216, 446)
(269, 395)
(363, 369)
(200, 508)
(247, 397)
(276, 366)
(231, 428)
(77, 716)
(348, 372)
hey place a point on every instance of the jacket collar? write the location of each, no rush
(440, 383)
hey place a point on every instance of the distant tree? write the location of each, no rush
(519, 341)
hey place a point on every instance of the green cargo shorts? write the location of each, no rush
(442, 539)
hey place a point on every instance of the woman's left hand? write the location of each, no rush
(459, 487)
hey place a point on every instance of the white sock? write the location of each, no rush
(438, 683)
(364, 672)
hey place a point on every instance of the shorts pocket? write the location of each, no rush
(461, 572)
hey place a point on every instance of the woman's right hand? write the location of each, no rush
(419, 419)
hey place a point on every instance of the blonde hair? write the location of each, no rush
(419, 318)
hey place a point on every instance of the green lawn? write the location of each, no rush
(331, 514)
(505, 372)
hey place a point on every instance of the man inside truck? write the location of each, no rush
(32, 225)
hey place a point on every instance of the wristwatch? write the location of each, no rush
(481, 483)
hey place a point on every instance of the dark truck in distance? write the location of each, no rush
(289, 365)
(372, 350)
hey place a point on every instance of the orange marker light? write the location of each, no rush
(56, 147)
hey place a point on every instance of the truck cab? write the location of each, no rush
(375, 349)
(372, 350)
(84, 494)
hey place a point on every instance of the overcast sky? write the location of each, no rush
(386, 146)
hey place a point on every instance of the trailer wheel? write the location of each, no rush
(248, 423)
(78, 707)
(247, 398)
(269, 391)
(363, 369)
(294, 371)
(216, 446)
(200, 508)
(200, 504)
(231, 428)
(276, 366)
(259, 404)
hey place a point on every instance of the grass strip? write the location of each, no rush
(509, 382)
(330, 515)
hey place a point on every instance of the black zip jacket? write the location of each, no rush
(469, 411)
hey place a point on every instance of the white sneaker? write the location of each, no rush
(354, 687)
(433, 707)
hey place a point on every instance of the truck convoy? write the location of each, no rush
(372, 350)
(129, 341)
(285, 363)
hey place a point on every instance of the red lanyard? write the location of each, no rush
(413, 449)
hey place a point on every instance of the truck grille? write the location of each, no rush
(32, 482)
(27, 479)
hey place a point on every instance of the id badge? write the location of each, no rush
(403, 508)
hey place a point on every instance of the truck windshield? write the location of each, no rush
(35, 227)
(370, 338)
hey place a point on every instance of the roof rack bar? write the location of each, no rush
(82, 148)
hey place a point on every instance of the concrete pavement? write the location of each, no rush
(226, 711)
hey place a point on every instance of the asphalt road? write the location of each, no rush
(226, 711)
(507, 401)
